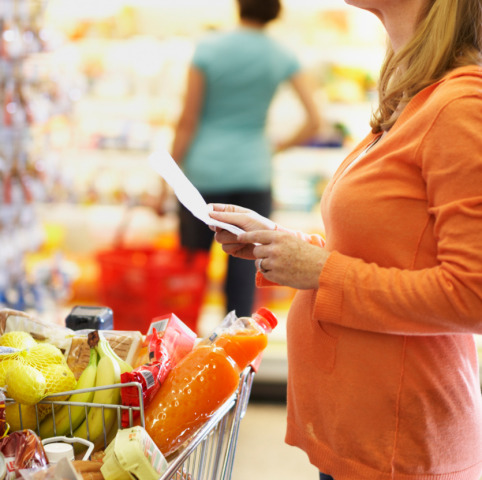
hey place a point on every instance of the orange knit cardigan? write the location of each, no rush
(383, 380)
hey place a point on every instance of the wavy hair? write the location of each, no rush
(448, 35)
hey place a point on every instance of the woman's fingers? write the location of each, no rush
(240, 217)
(242, 220)
(259, 237)
(222, 207)
(232, 246)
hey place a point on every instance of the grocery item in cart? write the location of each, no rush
(169, 332)
(22, 449)
(168, 341)
(244, 338)
(18, 321)
(150, 377)
(204, 379)
(27, 413)
(100, 421)
(34, 372)
(17, 339)
(69, 417)
(25, 384)
(57, 450)
(133, 454)
(3, 415)
(83, 317)
(65, 470)
(125, 344)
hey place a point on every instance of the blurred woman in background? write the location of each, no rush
(221, 141)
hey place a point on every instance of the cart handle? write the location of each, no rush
(89, 445)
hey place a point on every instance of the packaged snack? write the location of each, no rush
(150, 377)
(22, 450)
(17, 321)
(125, 344)
(174, 334)
(133, 454)
(167, 342)
(63, 470)
(3, 419)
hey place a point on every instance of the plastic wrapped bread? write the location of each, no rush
(15, 320)
(126, 344)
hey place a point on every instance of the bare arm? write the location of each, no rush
(191, 113)
(186, 126)
(302, 87)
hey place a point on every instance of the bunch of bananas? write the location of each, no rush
(104, 368)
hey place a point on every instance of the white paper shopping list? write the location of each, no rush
(185, 191)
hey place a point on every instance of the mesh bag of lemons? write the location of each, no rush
(29, 372)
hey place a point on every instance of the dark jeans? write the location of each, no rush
(325, 477)
(239, 286)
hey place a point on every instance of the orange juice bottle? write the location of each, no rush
(246, 337)
(204, 379)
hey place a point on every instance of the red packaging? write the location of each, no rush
(150, 376)
(22, 450)
(3, 420)
(168, 340)
(176, 336)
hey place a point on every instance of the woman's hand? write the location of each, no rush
(285, 259)
(282, 257)
(246, 219)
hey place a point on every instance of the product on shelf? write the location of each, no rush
(29, 99)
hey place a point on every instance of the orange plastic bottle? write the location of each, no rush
(204, 379)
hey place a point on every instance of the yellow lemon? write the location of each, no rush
(12, 416)
(25, 384)
(43, 354)
(18, 340)
(58, 378)
(5, 366)
(43, 409)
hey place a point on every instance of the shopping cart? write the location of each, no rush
(208, 455)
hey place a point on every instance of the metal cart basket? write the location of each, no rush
(208, 454)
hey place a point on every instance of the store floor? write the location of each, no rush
(261, 453)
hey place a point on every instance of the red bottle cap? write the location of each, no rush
(268, 315)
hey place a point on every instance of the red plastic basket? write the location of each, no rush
(142, 283)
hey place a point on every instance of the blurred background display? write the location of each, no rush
(90, 88)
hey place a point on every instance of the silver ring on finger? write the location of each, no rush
(260, 265)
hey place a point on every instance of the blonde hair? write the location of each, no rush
(448, 35)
